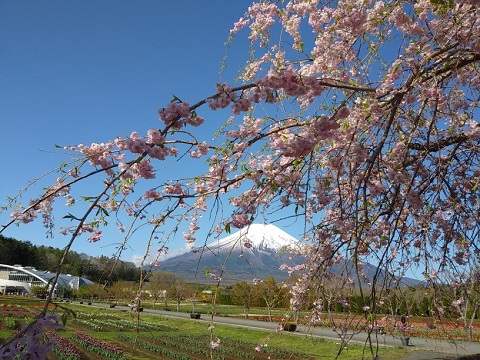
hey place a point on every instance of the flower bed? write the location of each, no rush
(99, 347)
(16, 311)
(112, 324)
(163, 349)
(97, 315)
(417, 327)
(146, 325)
(443, 330)
(237, 349)
(90, 324)
(64, 348)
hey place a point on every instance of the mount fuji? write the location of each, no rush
(256, 251)
(256, 237)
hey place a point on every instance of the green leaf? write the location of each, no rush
(227, 228)
(448, 3)
(70, 216)
(64, 318)
(72, 312)
(176, 99)
(207, 272)
(274, 186)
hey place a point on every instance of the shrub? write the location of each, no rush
(10, 323)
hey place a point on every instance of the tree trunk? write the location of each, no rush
(269, 312)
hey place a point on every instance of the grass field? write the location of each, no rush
(103, 333)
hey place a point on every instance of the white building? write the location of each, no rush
(19, 279)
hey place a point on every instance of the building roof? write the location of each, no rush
(64, 280)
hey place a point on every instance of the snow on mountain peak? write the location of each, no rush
(258, 237)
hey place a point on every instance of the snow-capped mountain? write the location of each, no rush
(256, 251)
(256, 237)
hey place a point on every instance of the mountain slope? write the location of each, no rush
(257, 251)
(256, 237)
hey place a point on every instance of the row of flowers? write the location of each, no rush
(432, 329)
(227, 346)
(189, 342)
(123, 325)
(159, 350)
(16, 311)
(165, 345)
(109, 324)
(90, 324)
(97, 315)
(277, 353)
(64, 348)
(443, 332)
(13, 307)
(99, 347)
(146, 326)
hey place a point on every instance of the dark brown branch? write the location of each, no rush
(440, 144)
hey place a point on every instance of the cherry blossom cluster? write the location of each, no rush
(176, 114)
(43, 205)
(153, 145)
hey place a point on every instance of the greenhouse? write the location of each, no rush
(19, 280)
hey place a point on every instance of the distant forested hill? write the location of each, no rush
(97, 269)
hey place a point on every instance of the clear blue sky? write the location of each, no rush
(87, 71)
